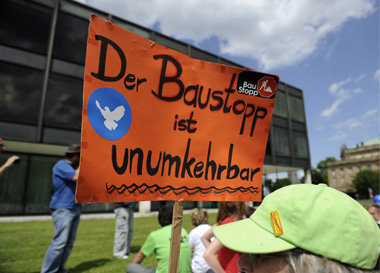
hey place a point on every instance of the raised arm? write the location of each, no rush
(8, 163)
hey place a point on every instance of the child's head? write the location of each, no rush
(199, 216)
(236, 210)
(165, 215)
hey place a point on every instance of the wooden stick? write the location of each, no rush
(175, 240)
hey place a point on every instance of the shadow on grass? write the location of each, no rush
(135, 249)
(88, 265)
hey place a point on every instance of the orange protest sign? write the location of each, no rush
(160, 125)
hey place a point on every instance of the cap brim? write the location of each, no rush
(247, 237)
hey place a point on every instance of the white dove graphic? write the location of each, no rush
(111, 117)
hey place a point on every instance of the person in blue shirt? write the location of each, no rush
(65, 212)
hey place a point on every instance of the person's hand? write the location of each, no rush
(8, 163)
(11, 160)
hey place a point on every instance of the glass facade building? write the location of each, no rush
(42, 54)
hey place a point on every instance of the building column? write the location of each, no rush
(144, 206)
(49, 58)
(307, 176)
(293, 177)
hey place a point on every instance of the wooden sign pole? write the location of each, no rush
(175, 240)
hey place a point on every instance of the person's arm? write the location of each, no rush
(211, 256)
(139, 258)
(8, 163)
(206, 237)
(76, 175)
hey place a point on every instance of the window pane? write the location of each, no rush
(70, 38)
(226, 62)
(133, 28)
(171, 44)
(60, 136)
(198, 54)
(20, 93)
(300, 145)
(210, 204)
(25, 25)
(64, 102)
(296, 109)
(97, 207)
(155, 205)
(189, 204)
(12, 185)
(281, 141)
(13, 131)
(268, 150)
(40, 184)
(280, 108)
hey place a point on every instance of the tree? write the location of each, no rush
(268, 183)
(322, 168)
(364, 180)
(316, 177)
(282, 182)
(322, 165)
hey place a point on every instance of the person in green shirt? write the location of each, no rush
(158, 242)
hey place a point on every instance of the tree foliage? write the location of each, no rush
(364, 180)
(322, 169)
(268, 183)
(322, 165)
(282, 182)
(318, 177)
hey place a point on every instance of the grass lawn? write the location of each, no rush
(23, 245)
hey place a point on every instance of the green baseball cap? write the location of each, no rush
(316, 218)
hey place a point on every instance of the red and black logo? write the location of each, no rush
(257, 84)
(266, 86)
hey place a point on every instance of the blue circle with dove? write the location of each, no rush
(109, 113)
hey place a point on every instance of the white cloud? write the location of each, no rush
(338, 136)
(357, 90)
(274, 32)
(354, 123)
(377, 75)
(319, 128)
(342, 90)
(335, 87)
(329, 111)
(351, 124)
(361, 77)
(370, 113)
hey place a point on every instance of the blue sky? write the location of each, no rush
(329, 49)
